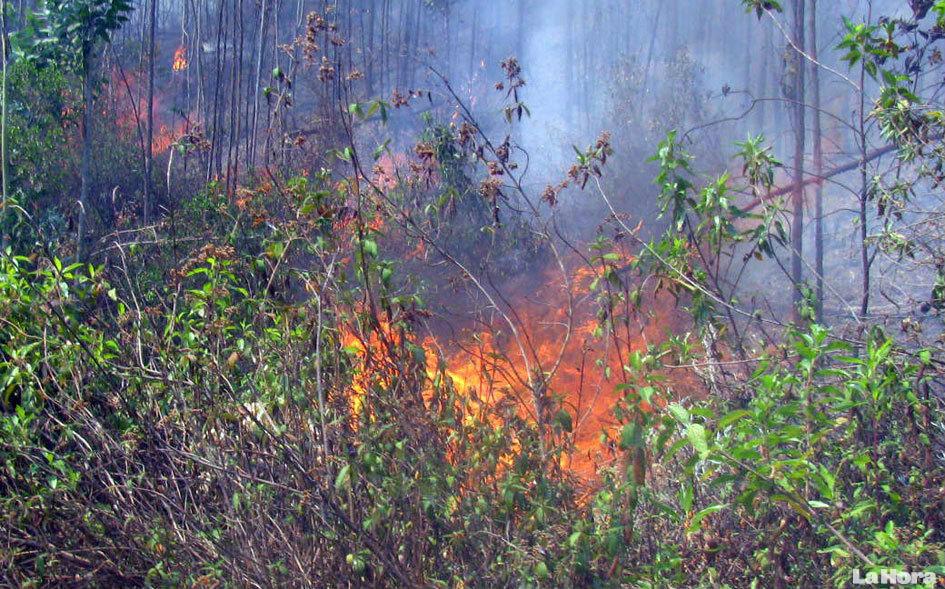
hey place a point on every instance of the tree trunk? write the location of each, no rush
(370, 52)
(414, 49)
(86, 168)
(649, 51)
(749, 63)
(261, 47)
(4, 235)
(797, 224)
(474, 29)
(213, 156)
(149, 152)
(569, 63)
(767, 48)
(403, 51)
(865, 262)
(236, 67)
(385, 48)
(818, 167)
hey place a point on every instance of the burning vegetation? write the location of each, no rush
(180, 62)
(459, 294)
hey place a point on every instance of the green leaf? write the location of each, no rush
(679, 412)
(370, 247)
(564, 421)
(631, 436)
(343, 478)
(732, 417)
(698, 438)
(686, 497)
(574, 539)
(696, 524)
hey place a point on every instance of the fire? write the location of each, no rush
(562, 364)
(180, 60)
(588, 373)
(165, 137)
(385, 172)
(492, 368)
(130, 107)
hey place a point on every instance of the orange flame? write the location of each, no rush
(130, 114)
(590, 375)
(566, 363)
(166, 135)
(180, 60)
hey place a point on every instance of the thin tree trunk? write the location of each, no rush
(749, 62)
(233, 132)
(569, 62)
(797, 223)
(226, 70)
(86, 167)
(448, 30)
(149, 152)
(4, 235)
(198, 55)
(414, 48)
(649, 51)
(385, 48)
(215, 103)
(865, 261)
(818, 166)
(473, 32)
(186, 43)
(586, 63)
(406, 17)
(370, 53)
(767, 49)
(261, 47)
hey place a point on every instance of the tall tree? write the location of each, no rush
(4, 237)
(214, 104)
(149, 152)
(797, 196)
(818, 163)
(866, 261)
(73, 32)
(257, 81)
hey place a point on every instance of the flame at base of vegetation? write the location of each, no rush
(180, 62)
(586, 374)
(131, 115)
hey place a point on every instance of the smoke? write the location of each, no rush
(634, 68)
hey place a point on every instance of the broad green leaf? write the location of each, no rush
(698, 438)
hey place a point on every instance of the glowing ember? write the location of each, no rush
(180, 60)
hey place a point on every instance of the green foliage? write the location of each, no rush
(760, 7)
(178, 430)
(759, 163)
(871, 45)
(705, 225)
(41, 114)
(250, 392)
(68, 31)
(819, 443)
(939, 10)
(814, 463)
